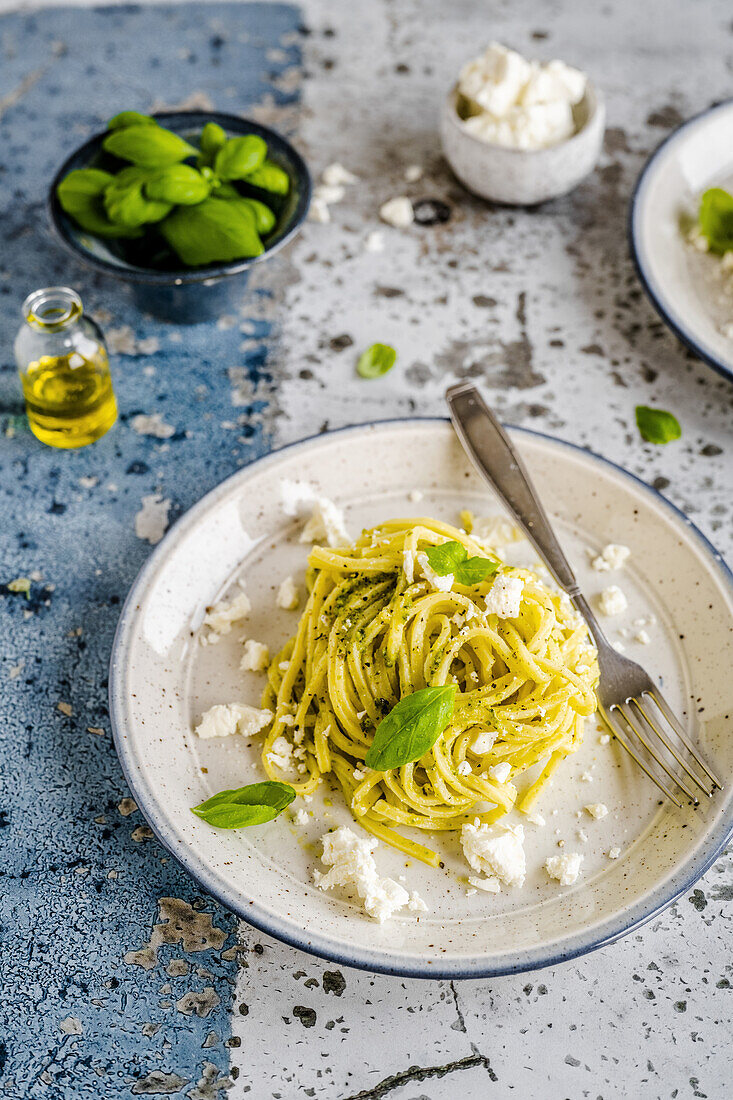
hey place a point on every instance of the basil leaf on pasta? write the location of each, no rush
(475, 570)
(250, 805)
(446, 558)
(411, 728)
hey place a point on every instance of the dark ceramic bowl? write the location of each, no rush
(192, 294)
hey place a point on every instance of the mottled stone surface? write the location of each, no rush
(541, 306)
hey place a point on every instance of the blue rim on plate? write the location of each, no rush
(641, 262)
(366, 959)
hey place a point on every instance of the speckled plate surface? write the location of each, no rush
(162, 679)
(687, 288)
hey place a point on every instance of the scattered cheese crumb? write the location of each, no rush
(619, 647)
(439, 583)
(586, 777)
(597, 810)
(328, 193)
(352, 865)
(491, 885)
(221, 617)
(500, 772)
(564, 868)
(505, 596)
(612, 600)
(335, 175)
(397, 212)
(287, 595)
(416, 903)
(642, 638)
(256, 656)
(281, 753)
(152, 425)
(614, 853)
(224, 719)
(484, 742)
(326, 522)
(152, 519)
(413, 173)
(536, 819)
(582, 835)
(604, 738)
(374, 241)
(300, 817)
(415, 496)
(318, 212)
(464, 768)
(496, 853)
(611, 557)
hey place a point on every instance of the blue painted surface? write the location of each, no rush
(66, 924)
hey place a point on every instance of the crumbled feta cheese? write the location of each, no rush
(612, 601)
(582, 835)
(151, 521)
(296, 496)
(483, 742)
(726, 260)
(352, 865)
(152, 425)
(536, 819)
(642, 637)
(619, 647)
(597, 810)
(495, 531)
(416, 903)
(496, 851)
(440, 584)
(500, 772)
(318, 212)
(374, 241)
(326, 522)
(611, 557)
(564, 868)
(414, 172)
(397, 212)
(287, 719)
(300, 817)
(586, 777)
(698, 240)
(491, 885)
(221, 617)
(287, 595)
(227, 718)
(505, 596)
(256, 656)
(335, 175)
(604, 738)
(284, 666)
(464, 768)
(281, 753)
(614, 853)
(415, 496)
(328, 193)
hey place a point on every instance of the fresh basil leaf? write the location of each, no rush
(213, 137)
(250, 805)
(656, 425)
(446, 558)
(240, 156)
(81, 196)
(125, 202)
(270, 177)
(411, 728)
(264, 217)
(130, 118)
(474, 570)
(376, 361)
(179, 184)
(148, 146)
(214, 230)
(716, 219)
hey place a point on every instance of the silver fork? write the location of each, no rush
(631, 704)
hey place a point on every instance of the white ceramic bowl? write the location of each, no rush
(679, 280)
(524, 177)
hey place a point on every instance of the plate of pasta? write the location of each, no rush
(351, 701)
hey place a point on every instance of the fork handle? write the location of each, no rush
(495, 458)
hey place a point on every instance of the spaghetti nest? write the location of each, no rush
(374, 630)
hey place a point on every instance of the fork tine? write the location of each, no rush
(633, 753)
(638, 730)
(650, 721)
(674, 722)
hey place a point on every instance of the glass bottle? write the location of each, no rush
(64, 370)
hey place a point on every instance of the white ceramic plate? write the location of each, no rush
(686, 288)
(162, 679)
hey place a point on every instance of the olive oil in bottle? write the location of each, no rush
(64, 370)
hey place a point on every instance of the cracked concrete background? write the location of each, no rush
(119, 978)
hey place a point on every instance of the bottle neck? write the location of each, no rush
(52, 309)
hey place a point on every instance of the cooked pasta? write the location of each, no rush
(379, 625)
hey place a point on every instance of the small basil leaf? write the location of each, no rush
(264, 217)
(475, 570)
(411, 728)
(214, 230)
(130, 118)
(376, 361)
(716, 219)
(656, 425)
(240, 156)
(213, 137)
(446, 558)
(125, 202)
(178, 183)
(79, 186)
(250, 805)
(148, 146)
(270, 177)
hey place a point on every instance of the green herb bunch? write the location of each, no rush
(190, 197)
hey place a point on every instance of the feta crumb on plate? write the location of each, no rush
(374, 241)
(151, 521)
(535, 819)
(611, 557)
(495, 531)
(413, 173)
(642, 637)
(500, 772)
(223, 615)
(564, 868)
(612, 601)
(256, 656)
(328, 193)
(496, 851)
(318, 212)
(335, 175)
(224, 719)
(397, 212)
(352, 866)
(614, 853)
(326, 522)
(300, 817)
(597, 810)
(281, 753)
(287, 595)
(505, 596)
(415, 496)
(489, 885)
